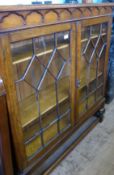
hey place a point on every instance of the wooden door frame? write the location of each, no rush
(8, 77)
(80, 25)
(6, 164)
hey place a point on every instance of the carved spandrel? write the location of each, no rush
(94, 11)
(65, 14)
(17, 20)
(11, 20)
(87, 12)
(51, 16)
(34, 18)
(76, 13)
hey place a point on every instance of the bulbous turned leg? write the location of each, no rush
(100, 114)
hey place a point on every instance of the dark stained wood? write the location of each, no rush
(73, 68)
(20, 23)
(53, 6)
(81, 75)
(5, 147)
(94, 21)
(22, 17)
(78, 64)
(107, 54)
(49, 151)
(30, 33)
(11, 100)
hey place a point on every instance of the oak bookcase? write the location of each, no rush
(53, 63)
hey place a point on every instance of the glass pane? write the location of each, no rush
(43, 48)
(99, 92)
(50, 133)
(47, 94)
(91, 100)
(63, 40)
(82, 108)
(33, 147)
(28, 104)
(64, 107)
(63, 93)
(22, 53)
(93, 46)
(21, 50)
(64, 122)
(42, 76)
(31, 130)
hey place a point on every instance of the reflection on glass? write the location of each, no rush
(93, 44)
(42, 75)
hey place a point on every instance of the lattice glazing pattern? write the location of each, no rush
(93, 43)
(42, 72)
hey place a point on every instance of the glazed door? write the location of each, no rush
(93, 36)
(42, 70)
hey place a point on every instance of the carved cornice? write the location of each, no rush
(20, 17)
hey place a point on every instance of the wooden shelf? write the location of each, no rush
(92, 37)
(48, 135)
(27, 57)
(83, 78)
(29, 116)
(47, 120)
(29, 108)
(91, 100)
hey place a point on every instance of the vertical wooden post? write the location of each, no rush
(6, 167)
(78, 63)
(107, 53)
(73, 72)
(14, 114)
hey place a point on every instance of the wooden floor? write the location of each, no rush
(95, 154)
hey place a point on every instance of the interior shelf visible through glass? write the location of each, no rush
(42, 77)
(93, 46)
